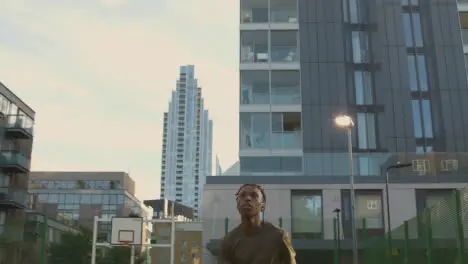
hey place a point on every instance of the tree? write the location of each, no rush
(74, 248)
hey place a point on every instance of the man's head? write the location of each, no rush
(250, 200)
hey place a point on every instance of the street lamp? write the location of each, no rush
(346, 122)
(387, 196)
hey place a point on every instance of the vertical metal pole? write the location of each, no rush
(226, 225)
(389, 225)
(460, 233)
(339, 233)
(132, 255)
(364, 239)
(280, 222)
(353, 198)
(44, 239)
(335, 244)
(429, 236)
(93, 248)
(172, 235)
(406, 258)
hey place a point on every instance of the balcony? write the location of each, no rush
(268, 11)
(19, 126)
(13, 198)
(286, 140)
(14, 161)
(270, 131)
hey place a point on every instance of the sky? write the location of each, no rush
(99, 74)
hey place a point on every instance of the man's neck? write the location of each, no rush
(251, 223)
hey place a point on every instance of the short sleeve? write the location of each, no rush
(288, 255)
(224, 251)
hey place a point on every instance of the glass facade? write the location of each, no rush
(269, 79)
(418, 76)
(77, 202)
(306, 213)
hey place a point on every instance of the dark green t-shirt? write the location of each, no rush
(267, 245)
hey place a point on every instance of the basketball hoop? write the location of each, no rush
(126, 243)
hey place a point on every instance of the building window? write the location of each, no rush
(254, 12)
(360, 42)
(424, 149)
(255, 130)
(254, 46)
(363, 88)
(270, 165)
(286, 130)
(357, 11)
(412, 30)
(369, 206)
(285, 87)
(422, 119)
(284, 11)
(366, 131)
(410, 2)
(306, 214)
(417, 73)
(255, 87)
(284, 45)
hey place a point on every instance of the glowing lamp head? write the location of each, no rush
(344, 121)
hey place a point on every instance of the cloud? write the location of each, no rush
(100, 79)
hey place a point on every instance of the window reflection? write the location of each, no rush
(417, 73)
(422, 119)
(366, 131)
(363, 88)
(88, 184)
(360, 43)
(369, 206)
(412, 30)
(306, 213)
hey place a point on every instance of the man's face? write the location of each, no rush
(249, 201)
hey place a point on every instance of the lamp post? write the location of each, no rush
(337, 212)
(387, 197)
(346, 122)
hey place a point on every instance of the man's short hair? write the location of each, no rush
(256, 186)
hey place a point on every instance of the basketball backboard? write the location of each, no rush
(127, 230)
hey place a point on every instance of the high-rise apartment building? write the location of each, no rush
(16, 138)
(394, 66)
(187, 143)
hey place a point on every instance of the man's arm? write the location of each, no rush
(224, 253)
(288, 255)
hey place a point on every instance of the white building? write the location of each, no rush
(187, 143)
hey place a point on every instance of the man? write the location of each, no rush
(255, 241)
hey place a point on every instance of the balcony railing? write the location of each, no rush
(284, 16)
(284, 54)
(14, 197)
(14, 159)
(20, 122)
(286, 140)
(286, 95)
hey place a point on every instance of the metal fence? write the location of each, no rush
(436, 236)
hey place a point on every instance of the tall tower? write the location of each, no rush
(187, 143)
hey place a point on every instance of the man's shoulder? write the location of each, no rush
(273, 228)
